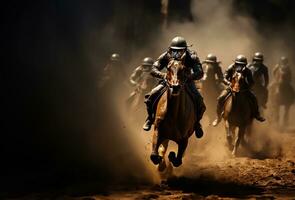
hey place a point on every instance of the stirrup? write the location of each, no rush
(259, 118)
(147, 125)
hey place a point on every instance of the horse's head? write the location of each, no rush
(237, 80)
(176, 77)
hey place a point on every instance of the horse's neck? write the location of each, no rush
(176, 103)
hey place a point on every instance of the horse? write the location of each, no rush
(237, 113)
(174, 118)
(210, 89)
(281, 94)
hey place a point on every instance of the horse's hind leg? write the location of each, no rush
(229, 135)
(177, 161)
(238, 140)
(157, 141)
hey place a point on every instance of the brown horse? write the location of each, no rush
(237, 114)
(175, 116)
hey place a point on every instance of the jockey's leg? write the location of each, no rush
(149, 101)
(220, 102)
(199, 110)
(255, 107)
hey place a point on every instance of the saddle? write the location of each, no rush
(164, 89)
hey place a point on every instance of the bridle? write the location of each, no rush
(179, 84)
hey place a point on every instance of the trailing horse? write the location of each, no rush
(237, 114)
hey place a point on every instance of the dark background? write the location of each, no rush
(50, 104)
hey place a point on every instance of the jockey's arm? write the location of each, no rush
(158, 66)
(197, 69)
(134, 78)
(249, 77)
(228, 75)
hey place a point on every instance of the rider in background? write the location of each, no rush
(216, 74)
(114, 70)
(239, 66)
(282, 66)
(260, 76)
(142, 72)
(141, 78)
(178, 50)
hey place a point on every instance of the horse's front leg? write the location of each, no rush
(238, 140)
(229, 135)
(177, 160)
(157, 141)
(162, 151)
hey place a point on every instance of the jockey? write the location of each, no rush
(142, 71)
(260, 75)
(217, 72)
(283, 65)
(239, 65)
(177, 50)
(113, 70)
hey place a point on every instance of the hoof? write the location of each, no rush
(172, 158)
(234, 152)
(229, 143)
(156, 159)
(177, 163)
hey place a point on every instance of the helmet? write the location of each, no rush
(211, 58)
(178, 43)
(284, 60)
(241, 59)
(115, 57)
(258, 56)
(147, 61)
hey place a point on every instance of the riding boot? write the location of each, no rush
(199, 109)
(148, 124)
(220, 101)
(199, 113)
(149, 120)
(255, 108)
(218, 113)
(150, 99)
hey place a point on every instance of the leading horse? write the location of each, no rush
(237, 113)
(175, 116)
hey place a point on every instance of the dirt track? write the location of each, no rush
(231, 178)
(209, 172)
